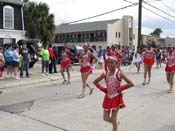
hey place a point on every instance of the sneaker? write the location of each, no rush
(68, 82)
(148, 82)
(17, 78)
(81, 96)
(64, 82)
(169, 91)
(144, 83)
(2, 78)
(91, 91)
(43, 74)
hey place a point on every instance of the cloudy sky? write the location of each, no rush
(72, 10)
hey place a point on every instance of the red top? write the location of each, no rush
(51, 52)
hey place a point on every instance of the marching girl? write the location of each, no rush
(86, 68)
(106, 55)
(117, 52)
(137, 61)
(113, 100)
(170, 68)
(65, 64)
(148, 60)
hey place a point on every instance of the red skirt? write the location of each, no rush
(66, 64)
(1, 73)
(170, 69)
(114, 103)
(85, 70)
(148, 61)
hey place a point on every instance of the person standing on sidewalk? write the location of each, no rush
(8, 54)
(2, 63)
(24, 52)
(16, 59)
(65, 64)
(113, 100)
(170, 68)
(45, 59)
(86, 68)
(148, 60)
(52, 61)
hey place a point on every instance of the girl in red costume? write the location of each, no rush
(113, 99)
(148, 60)
(170, 68)
(117, 52)
(86, 69)
(65, 64)
(106, 55)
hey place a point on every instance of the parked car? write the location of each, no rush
(34, 45)
(75, 49)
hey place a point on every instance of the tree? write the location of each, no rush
(38, 22)
(156, 32)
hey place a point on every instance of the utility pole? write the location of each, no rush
(139, 24)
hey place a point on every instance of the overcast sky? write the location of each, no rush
(71, 10)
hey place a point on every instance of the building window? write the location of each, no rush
(119, 35)
(8, 17)
(7, 41)
(116, 34)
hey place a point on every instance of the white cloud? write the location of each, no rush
(71, 10)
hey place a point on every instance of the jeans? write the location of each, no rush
(45, 64)
(24, 66)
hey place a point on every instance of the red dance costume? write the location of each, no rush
(113, 99)
(66, 61)
(170, 63)
(148, 58)
(85, 65)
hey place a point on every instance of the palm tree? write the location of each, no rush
(38, 22)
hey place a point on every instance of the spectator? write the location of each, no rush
(52, 59)
(45, 59)
(8, 54)
(100, 57)
(16, 59)
(2, 62)
(24, 52)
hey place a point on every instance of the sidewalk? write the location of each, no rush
(36, 77)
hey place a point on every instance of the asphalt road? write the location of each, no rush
(52, 106)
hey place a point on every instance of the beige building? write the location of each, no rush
(166, 42)
(99, 33)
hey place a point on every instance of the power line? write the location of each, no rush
(158, 9)
(133, 4)
(159, 15)
(153, 12)
(168, 6)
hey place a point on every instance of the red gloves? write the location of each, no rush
(122, 88)
(100, 87)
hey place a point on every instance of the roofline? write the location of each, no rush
(87, 22)
(12, 2)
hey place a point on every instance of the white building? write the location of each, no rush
(99, 33)
(166, 42)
